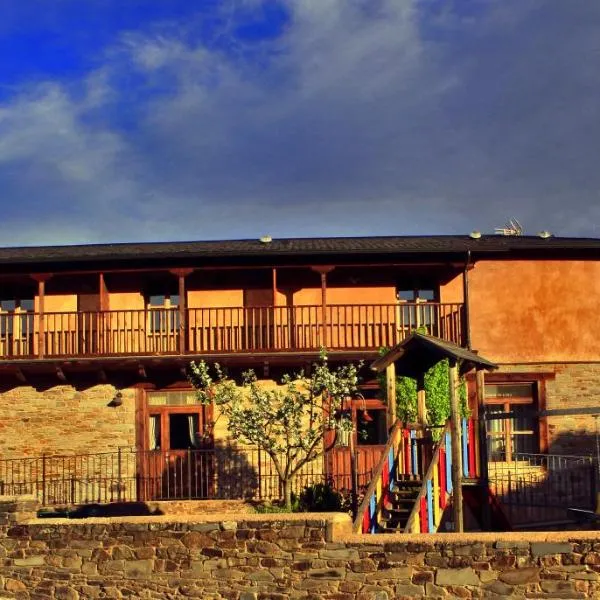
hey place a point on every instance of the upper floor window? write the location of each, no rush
(163, 312)
(416, 313)
(16, 316)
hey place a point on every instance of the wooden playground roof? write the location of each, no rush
(419, 352)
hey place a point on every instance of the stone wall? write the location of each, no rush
(280, 557)
(64, 420)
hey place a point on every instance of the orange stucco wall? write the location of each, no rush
(346, 295)
(215, 298)
(453, 290)
(528, 311)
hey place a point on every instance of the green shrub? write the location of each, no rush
(320, 497)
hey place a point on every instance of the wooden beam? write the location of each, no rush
(323, 270)
(41, 279)
(181, 274)
(421, 400)
(61, 375)
(274, 281)
(457, 467)
(390, 381)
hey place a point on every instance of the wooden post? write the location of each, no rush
(457, 467)
(275, 320)
(421, 405)
(483, 451)
(41, 279)
(324, 338)
(390, 380)
(323, 272)
(104, 319)
(182, 314)
(181, 274)
(353, 476)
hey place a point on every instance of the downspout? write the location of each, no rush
(466, 311)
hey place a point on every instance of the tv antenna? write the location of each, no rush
(513, 227)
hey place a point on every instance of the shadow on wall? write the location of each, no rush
(539, 489)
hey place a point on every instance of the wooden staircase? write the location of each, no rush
(411, 486)
(402, 498)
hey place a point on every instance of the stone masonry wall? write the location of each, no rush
(574, 386)
(63, 420)
(280, 557)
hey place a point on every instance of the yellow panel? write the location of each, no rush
(436, 497)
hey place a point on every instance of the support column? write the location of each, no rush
(483, 451)
(390, 381)
(457, 467)
(181, 274)
(323, 270)
(421, 404)
(41, 279)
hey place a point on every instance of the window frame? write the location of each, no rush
(155, 313)
(538, 380)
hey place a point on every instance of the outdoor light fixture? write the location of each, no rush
(117, 400)
(366, 417)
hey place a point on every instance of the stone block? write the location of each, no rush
(137, 569)
(29, 561)
(520, 576)
(545, 548)
(466, 576)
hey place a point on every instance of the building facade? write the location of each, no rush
(95, 342)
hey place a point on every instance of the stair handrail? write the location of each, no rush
(377, 478)
(432, 500)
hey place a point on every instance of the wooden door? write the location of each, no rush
(178, 463)
(370, 436)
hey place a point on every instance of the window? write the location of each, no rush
(163, 313)
(176, 421)
(416, 313)
(16, 317)
(512, 426)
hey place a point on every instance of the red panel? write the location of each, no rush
(442, 474)
(423, 515)
(472, 464)
(366, 522)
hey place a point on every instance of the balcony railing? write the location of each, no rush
(223, 330)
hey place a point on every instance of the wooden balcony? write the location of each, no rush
(222, 330)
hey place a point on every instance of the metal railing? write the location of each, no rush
(130, 475)
(538, 488)
(227, 329)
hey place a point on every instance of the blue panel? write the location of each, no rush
(430, 526)
(373, 513)
(448, 463)
(392, 464)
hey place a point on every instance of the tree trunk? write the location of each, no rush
(287, 493)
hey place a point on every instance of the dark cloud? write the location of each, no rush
(403, 118)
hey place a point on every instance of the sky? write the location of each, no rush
(152, 120)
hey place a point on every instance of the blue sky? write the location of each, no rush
(171, 119)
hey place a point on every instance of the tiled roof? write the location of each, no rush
(448, 244)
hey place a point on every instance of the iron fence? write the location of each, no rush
(129, 475)
(540, 488)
